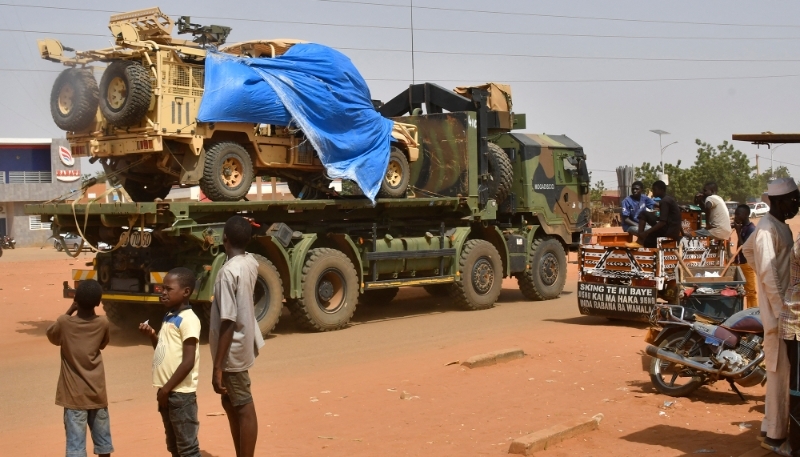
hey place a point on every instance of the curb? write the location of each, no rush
(492, 358)
(539, 441)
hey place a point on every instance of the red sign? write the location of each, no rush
(68, 175)
(66, 156)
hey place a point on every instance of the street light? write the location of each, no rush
(771, 167)
(659, 133)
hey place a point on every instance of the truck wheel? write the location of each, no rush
(330, 290)
(301, 191)
(267, 296)
(545, 278)
(480, 277)
(142, 192)
(378, 297)
(438, 290)
(395, 181)
(501, 173)
(126, 93)
(74, 99)
(227, 173)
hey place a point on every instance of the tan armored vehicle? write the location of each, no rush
(140, 121)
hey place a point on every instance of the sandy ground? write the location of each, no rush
(339, 393)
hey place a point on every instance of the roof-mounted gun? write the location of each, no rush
(203, 34)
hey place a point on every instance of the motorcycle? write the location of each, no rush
(7, 242)
(689, 354)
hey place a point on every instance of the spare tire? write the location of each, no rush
(74, 99)
(501, 172)
(126, 90)
(395, 180)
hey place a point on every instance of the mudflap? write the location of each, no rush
(616, 301)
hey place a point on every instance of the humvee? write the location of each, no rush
(140, 121)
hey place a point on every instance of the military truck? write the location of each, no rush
(486, 203)
(141, 120)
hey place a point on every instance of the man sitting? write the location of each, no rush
(718, 222)
(632, 205)
(666, 224)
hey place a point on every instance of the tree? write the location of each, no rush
(596, 193)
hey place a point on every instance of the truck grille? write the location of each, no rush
(305, 153)
(183, 80)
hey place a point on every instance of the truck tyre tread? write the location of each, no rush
(139, 91)
(531, 283)
(378, 297)
(478, 254)
(211, 182)
(397, 163)
(86, 96)
(268, 318)
(307, 312)
(502, 173)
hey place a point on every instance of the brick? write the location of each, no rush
(539, 441)
(492, 358)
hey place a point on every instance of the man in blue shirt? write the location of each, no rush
(634, 204)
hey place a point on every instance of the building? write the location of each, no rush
(33, 170)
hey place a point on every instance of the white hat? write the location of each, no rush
(781, 186)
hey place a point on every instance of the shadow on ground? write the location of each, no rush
(35, 328)
(604, 321)
(696, 441)
(705, 395)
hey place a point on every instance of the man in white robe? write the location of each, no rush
(768, 250)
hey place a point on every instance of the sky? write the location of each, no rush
(604, 73)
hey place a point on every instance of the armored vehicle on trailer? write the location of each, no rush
(485, 203)
(141, 120)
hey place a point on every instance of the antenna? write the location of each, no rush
(413, 74)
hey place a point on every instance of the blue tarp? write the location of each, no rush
(315, 88)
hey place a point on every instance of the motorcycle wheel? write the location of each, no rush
(675, 379)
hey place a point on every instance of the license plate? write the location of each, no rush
(651, 335)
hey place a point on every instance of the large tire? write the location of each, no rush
(126, 92)
(480, 279)
(329, 291)
(439, 290)
(660, 369)
(378, 297)
(146, 192)
(545, 278)
(74, 99)
(301, 191)
(395, 181)
(227, 172)
(267, 296)
(501, 172)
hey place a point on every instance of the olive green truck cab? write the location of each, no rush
(484, 203)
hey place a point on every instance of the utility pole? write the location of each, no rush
(758, 169)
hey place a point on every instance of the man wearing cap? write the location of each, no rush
(768, 250)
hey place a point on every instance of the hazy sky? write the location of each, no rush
(604, 73)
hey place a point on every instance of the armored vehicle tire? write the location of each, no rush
(666, 375)
(142, 192)
(301, 191)
(74, 99)
(378, 297)
(395, 181)
(438, 290)
(545, 278)
(227, 172)
(501, 172)
(126, 93)
(267, 296)
(481, 276)
(330, 290)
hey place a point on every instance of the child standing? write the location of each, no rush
(233, 335)
(82, 383)
(176, 364)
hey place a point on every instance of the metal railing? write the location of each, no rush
(30, 177)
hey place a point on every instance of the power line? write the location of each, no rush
(563, 16)
(720, 78)
(484, 32)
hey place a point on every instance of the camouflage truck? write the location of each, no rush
(487, 203)
(141, 120)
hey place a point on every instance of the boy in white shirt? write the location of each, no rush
(176, 364)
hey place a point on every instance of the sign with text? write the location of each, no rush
(622, 302)
(68, 175)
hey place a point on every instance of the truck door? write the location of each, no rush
(567, 168)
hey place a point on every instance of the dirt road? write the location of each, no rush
(339, 393)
